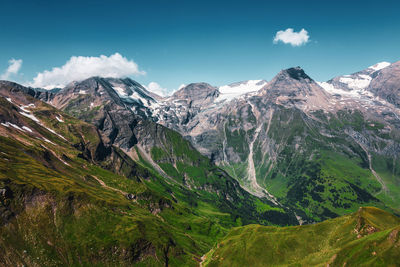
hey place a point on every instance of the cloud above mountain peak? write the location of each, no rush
(80, 67)
(289, 36)
(157, 89)
(14, 65)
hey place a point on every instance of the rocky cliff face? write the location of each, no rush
(112, 105)
(386, 84)
(196, 94)
(97, 93)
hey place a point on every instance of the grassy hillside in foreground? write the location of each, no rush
(65, 202)
(59, 208)
(368, 237)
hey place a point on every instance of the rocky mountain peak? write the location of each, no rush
(296, 73)
(375, 85)
(197, 94)
(386, 84)
(196, 90)
(97, 93)
(291, 82)
(293, 87)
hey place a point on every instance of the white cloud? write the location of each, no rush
(181, 86)
(157, 89)
(288, 36)
(14, 65)
(79, 68)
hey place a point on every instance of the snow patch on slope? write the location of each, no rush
(131, 93)
(27, 129)
(48, 141)
(380, 65)
(120, 91)
(30, 116)
(356, 93)
(8, 124)
(354, 83)
(24, 108)
(232, 91)
(138, 98)
(53, 132)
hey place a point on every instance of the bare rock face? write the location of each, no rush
(197, 112)
(386, 84)
(114, 106)
(196, 95)
(178, 111)
(96, 93)
(42, 94)
(293, 87)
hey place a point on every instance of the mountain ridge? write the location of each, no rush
(286, 152)
(368, 236)
(242, 135)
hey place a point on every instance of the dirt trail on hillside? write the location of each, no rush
(103, 184)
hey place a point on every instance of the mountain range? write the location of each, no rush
(106, 172)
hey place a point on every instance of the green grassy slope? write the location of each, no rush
(313, 165)
(368, 237)
(321, 172)
(58, 208)
(210, 184)
(66, 199)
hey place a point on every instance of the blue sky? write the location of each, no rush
(218, 42)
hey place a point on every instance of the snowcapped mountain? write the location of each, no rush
(235, 90)
(356, 84)
(374, 90)
(93, 93)
(270, 132)
(276, 138)
(386, 84)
